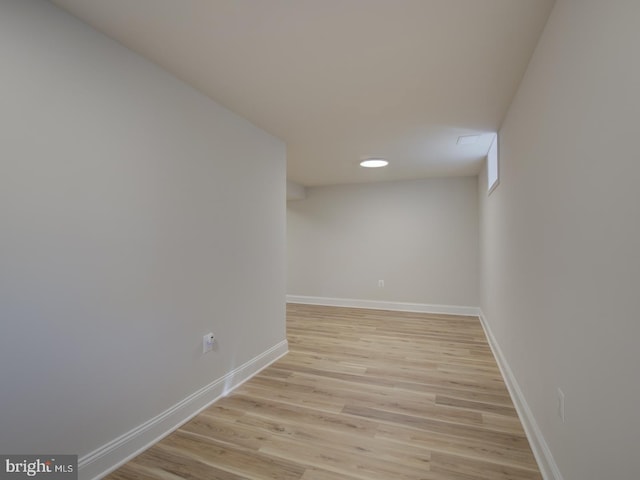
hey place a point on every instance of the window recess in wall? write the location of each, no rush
(493, 177)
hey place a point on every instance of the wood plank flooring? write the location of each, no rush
(362, 395)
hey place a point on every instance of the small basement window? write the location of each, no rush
(493, 177)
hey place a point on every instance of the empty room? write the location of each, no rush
(319, 239)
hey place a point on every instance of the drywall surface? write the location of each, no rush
(420, 237)
(136, 215)
(560, 238)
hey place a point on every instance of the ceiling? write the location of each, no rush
(339, 80)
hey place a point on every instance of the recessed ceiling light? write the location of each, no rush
(468, 139)
(374, 163)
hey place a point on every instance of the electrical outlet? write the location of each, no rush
(380, 283)
(561, 405)
(207, 342)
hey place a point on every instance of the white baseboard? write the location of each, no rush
(541, 451)
(107, 458)
(383, 305)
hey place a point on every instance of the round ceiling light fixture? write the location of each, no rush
(374, 163)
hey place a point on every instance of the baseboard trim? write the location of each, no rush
(383, 305)
(541, 451)
(112, 455)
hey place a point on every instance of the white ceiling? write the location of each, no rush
(338, 80)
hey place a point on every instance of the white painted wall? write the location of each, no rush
(420, 237)
(295, 191)
(136, 215)
(560, 238)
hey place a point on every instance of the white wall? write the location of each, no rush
(295, 191)
(136, 216)
(420, 237)
(560, 238)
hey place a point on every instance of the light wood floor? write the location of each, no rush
(363, 394)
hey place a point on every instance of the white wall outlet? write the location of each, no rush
(380, 283)
(207, 342)
(561, 405)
